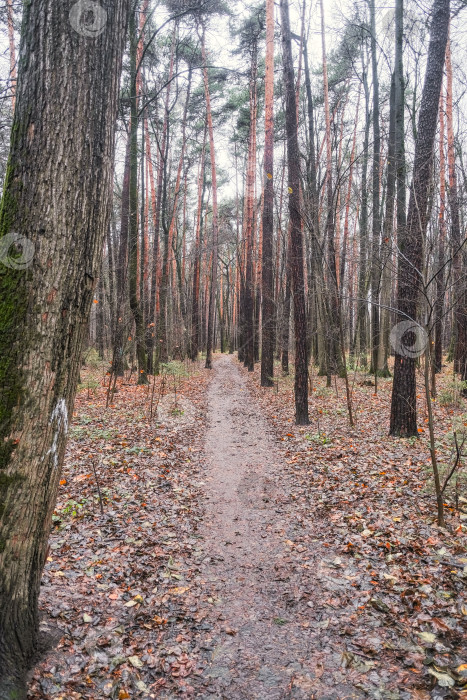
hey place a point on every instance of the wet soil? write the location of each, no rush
(263, 649)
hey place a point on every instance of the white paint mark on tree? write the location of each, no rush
(60, 416)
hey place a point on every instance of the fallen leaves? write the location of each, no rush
(366, 572)
(367, 498)
(109, 582)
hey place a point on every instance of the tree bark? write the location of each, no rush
(440, 275)
(215, 236)
(296, 248)
(11, 43)
(403, 421)
(195, 316)
(460, 306)
(331, 305)
(362, 312)
(387, 244)
(62, 142)
(134, 247)
(249, 224)
(118, 364)
(376, 223)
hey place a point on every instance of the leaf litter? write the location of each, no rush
(369, 586)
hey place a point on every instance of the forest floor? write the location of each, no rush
(239, 556)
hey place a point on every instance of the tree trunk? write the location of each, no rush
(404, 401)
(296, 248)
(267, 280)
(460, 307)
(118, 364)
(134, 247)
(388, 239)
(11, 42)
(195, 317)
(363, 231)
(214, 262)
(376, 223)
(249, 224)
(157, 213)
(331, 305)
(65, 114)
(440, 274)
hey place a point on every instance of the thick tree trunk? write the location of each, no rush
(296, 249)
(62, 142)
(404, 401)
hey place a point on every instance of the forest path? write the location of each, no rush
(260, 651)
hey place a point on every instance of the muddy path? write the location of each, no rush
(259, 650)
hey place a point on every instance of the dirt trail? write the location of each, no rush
(260, 652)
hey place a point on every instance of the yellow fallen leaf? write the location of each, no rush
(178, 590)
(427, 637)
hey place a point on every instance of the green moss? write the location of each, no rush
(13, 308)
(9, 479)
